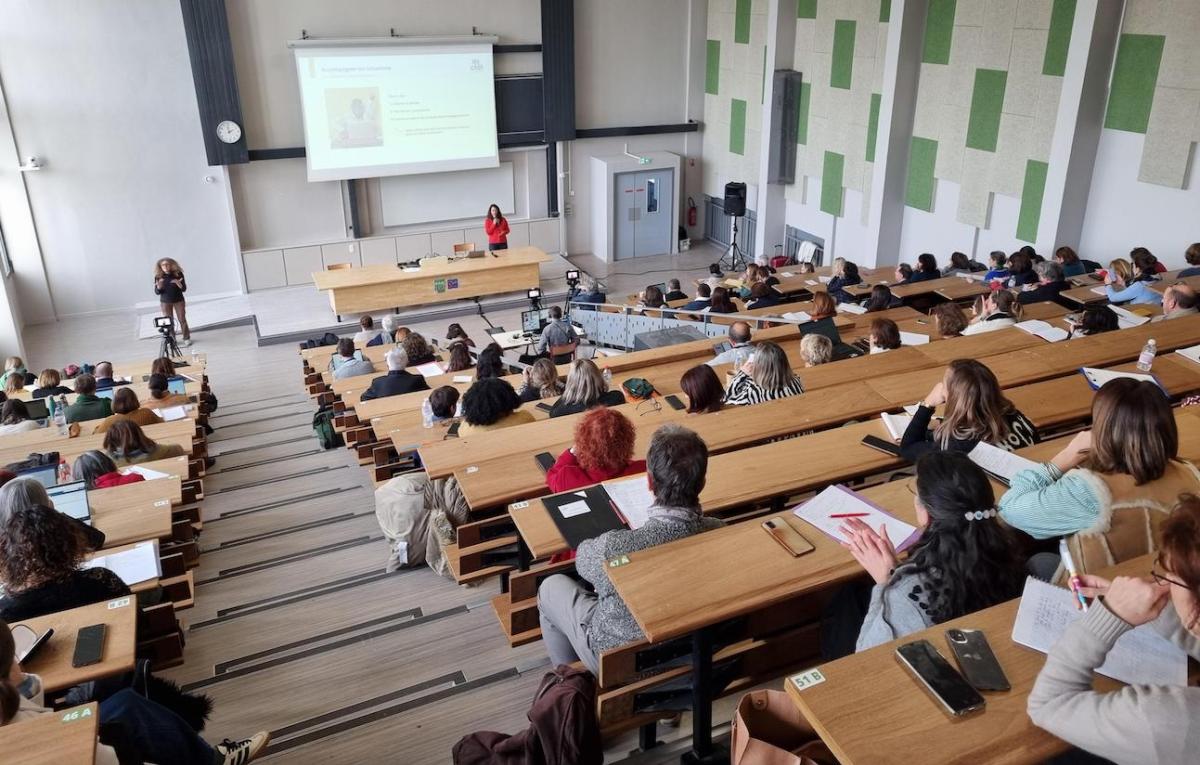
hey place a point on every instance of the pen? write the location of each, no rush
(849, 515)
(1074, 582)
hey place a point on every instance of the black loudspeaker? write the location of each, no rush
(735, 199)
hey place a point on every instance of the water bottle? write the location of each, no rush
(1146, 360)
(427, 413)
(64, 472)
(607, 378)
(60, 415)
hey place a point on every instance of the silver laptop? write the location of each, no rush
(71, 499)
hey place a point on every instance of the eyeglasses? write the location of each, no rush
(654, 407)
(1162, 578)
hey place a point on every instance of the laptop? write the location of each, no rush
(71, 499)
(107, 393)
(37, 409)
(46, 475)
(176, 386)
(827, 328)
(476, 253)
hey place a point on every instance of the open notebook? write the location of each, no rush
(896, 424)
(1191, 354)
(137, 564)
(1047, 332)
(853, 308)
(1098, 377)
(913, 338)
(999, 463)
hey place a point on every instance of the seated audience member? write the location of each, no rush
(816, 350)
(579, 624)
(885, 336)
(418, 349)
(1000, 309)
(976, 410)
(390, 322)
(456, 335)
(1179, 300)
(603, 449)
(806, 267)
(703, 389)
(368, 334)
(349, 356)
(128, 445)
(104, 377)
(401, 333)
(126, 406)
(557, 333)
(903, 274)
(949, 319)
(13, 365)
(1123, 285)
(397, 381)
(1144, 260)
(721, 302)
(165, 367)
(1020, 270)
(822, 306)
(1129, 459)
(489, 363)
(443, 402)
(1141, 722)
(762, 296)
(960, 264)
(1050, 283)
(674, 292)
(1032, 254)
(591, 293)
(651, 297)
(1192, 256)
(460, 358)
(1069, 260)
(1096, 320)
(584, 389)
(14, 385)
(765, 376)
(703, 298)
(48, 384)
(740, 347)
(87, 405)
(964, 561)
(97, 471)
(14, 418)
(926, 270)
(845, 274)
(881, 299)
(540, 381)
(491, 404)
(161, 395)
(750, 277)
(997, 266)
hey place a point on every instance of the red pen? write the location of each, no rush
(849, 515)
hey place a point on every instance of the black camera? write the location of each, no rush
(164, 324)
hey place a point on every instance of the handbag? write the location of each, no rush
(767, 729)
(638, 388)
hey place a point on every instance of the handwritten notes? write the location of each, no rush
(836, 500)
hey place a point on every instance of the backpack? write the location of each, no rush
(323, 429)
(316, 342)
(563, 728)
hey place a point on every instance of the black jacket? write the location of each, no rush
(610, 398)
(675, 295)
(79, 588)
(1044, 292)
(918, 438)
(394, 383)
(105, 383)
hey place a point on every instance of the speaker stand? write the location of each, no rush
(733, 259)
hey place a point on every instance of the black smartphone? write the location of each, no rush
(941, 681)
(452, 431)
(675, 403)
(89, 645)
(543, 406)
(887, 447)
(976, 660)
(545, 461)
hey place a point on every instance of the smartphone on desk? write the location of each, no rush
(877, 443)
(545, 461)
(675, 403)
(976, 660)
(452, 431)
(543, 406)
(941, 681)
(787, 536)
(89, 645)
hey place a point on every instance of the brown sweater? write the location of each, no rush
(142, 417)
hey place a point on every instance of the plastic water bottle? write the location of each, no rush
(60, 415)
(64, 472)
(1146, 359)
(607, 378)
(427, 413)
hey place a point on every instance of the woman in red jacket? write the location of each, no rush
(97, 470)
(496, 227)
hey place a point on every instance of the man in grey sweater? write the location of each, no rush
(578, 624)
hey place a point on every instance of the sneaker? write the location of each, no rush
(241, 752)
(185, 342)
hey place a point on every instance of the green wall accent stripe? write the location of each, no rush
(806, 9)
(831, 183)
(1061, 18)
(741, 22)
(939, 28)
(1031, 200)
(885, 11)
(805, 99)
(843, 54)
(737, 126)
(1134, 76)
(712, 67)
(922, 156)
(873, 127)
(762, 96)
(986, 101)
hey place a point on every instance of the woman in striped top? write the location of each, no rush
(766, 376)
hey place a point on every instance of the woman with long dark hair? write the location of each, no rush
(496, 228)
(720, 302)
(881, 299)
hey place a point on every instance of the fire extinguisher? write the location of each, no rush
(691, 212)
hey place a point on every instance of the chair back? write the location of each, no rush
(1132, 532)
(464, 247)
(564, 354)
(338, 266)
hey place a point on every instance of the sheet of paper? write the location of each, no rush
(1098, 377)
(999, 462)
(1099, 290)
(798, 316)
(145, 472)
(1192, 354)
(838, 500)
(913, 338)
(1141, 656)
(432, 369)
(912, 408)
(824, 279)
(172, 413)
(572, 509)
(134, 565)
(811, 282)
(463, 378)
(1127, 318)
(896, 424)
(786, 274)
(632, 498)
(853, 308)
(1047, 332)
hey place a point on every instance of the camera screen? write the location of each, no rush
(162, 321)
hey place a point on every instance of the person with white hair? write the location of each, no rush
(391, 323)
(591, 293)
(397, 381)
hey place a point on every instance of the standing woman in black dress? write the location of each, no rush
(170, 285)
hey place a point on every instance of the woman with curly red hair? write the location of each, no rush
(603, 449)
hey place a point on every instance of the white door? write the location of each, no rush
(642, 213)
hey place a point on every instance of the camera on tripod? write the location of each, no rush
(165, 325)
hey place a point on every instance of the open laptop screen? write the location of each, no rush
(71, 499)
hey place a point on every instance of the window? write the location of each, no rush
(651, 195)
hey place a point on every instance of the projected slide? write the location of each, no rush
(397, 110)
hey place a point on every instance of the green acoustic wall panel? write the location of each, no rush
(805, 99)
(842, 69)
(885, 11)
(939, 28)
(831, 183)
(737, 126)
(712, 67)
(1031, 200)
(983, 127)
(1062, 16)
(1134, 76)
(806, 9)
(922, 156)
(873, 127)
(741, 22)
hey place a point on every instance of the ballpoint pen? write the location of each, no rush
(1074, 581)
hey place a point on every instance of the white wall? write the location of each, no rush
(103, 91)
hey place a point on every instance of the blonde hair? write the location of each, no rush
(13, 362)
(585, 383)
(14, 384)
(771, 370)
(49, 378)
(543, 377)
(975, 406)
(816, 349)
(1122, 269)
(838, 266)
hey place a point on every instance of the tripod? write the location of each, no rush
(167, 346)
(733, 259)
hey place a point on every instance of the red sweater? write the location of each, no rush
(116, 478)
(497, 233)
(567, 473)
